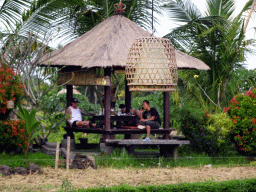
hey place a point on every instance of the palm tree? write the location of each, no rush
(216, 37)
(74, 16)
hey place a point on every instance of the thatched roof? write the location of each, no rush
(185, 61)
(108, 45)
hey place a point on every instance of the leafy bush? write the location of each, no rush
(10, 89)
(194, 126)
(242, 110)
(209, 133)
(31, 124)
(233, 185)
(13, 135)
(220, 124)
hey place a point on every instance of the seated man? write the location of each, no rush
(74, 115)
(150, 118)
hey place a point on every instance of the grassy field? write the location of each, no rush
(63, 180)
(122, 169)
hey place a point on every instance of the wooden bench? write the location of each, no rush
(70, 131)
(167, 147)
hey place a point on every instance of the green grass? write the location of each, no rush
(187, 158)
(243, 185)
(22, 160)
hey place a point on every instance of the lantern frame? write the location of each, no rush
(151, 65)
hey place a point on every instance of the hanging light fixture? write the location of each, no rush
(151, 64)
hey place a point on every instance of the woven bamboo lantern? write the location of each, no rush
(151, 65)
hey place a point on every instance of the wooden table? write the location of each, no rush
(114, 118)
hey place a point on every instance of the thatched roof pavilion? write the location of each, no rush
(107, 46)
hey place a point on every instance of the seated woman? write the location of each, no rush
(131, 112)
(74, 116)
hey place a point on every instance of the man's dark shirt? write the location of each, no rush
(150, 113)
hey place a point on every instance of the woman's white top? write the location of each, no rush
(76, 114)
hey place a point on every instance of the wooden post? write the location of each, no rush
(69, 95)
(166, 112)
(68, 153)
(107, 103)
(128, 104)
(175, 152)
(57, 155)
(128, 97)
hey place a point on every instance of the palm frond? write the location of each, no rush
(224, 8)
(11, 11)
(182, 11)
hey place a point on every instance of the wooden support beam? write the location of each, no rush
(166, 112)
(107, 103)
(128, 97)
(69, 95)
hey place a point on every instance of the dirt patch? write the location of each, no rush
(110, 177)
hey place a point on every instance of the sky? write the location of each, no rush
(166, 25)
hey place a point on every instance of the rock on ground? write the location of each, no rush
(20, 171)
(5, 170)
(82, 162)
(33, 168)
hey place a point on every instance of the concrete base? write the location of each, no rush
(72, 144)
(106, 149)
(64, 154)
(169, 151)
(49, 148)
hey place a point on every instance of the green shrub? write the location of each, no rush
(242, 110)
(228, 186)
(13, 135)
(10, 89)
(194, 124)
(220, 124)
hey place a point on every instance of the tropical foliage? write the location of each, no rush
(217, 38)
(75, 17)
(10, 89)
(13, 136)
(31, 124)
(242, 110)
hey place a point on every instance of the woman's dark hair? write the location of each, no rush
(146, 101)
(122, 106)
